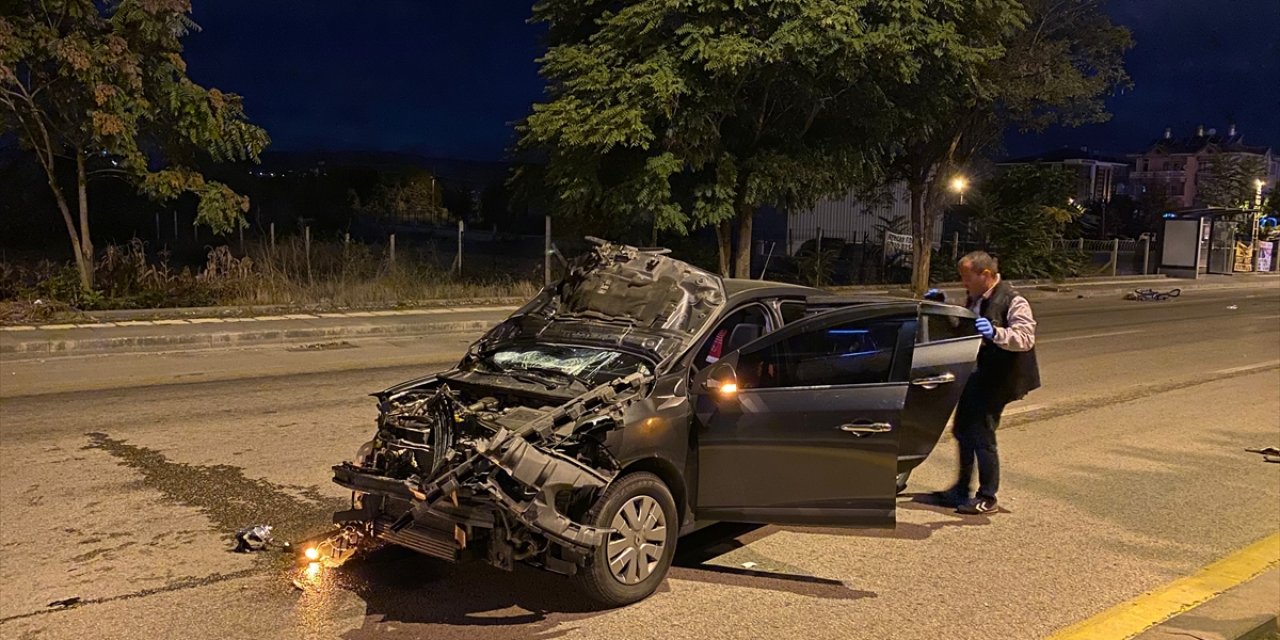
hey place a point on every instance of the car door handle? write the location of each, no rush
(933, 382)
(860, 429)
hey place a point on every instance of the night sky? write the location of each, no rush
(447, 79)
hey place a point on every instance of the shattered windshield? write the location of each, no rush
(586, 366)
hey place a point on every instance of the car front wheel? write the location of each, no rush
(635, 557)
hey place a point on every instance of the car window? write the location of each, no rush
(937, 327)
(858, 352)
(734, 332)
(792, 311)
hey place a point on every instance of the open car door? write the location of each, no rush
(945, 354)
(802, 425)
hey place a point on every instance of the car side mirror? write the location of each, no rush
(719, 380)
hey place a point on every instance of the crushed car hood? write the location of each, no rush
(619, 297)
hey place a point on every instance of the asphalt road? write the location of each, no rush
(1125, 472)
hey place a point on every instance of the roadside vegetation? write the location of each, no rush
(338, 275)
(645, 133)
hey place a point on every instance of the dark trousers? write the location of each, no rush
(977, 418)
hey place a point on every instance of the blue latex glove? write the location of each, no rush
(985, 328)
(936, 295)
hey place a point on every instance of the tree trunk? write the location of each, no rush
(742, 265)
(724, 238)
(65, 209)
(921, 235)
(85, 261)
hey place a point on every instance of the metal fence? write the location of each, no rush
(867, 258)
(1112, 257)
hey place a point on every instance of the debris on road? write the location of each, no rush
(257, 538)
(1234, 307)
(1152, 294)
(323, 346)
(1269, 454)
(66, 603)
(336, 549)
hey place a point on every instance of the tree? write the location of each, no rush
(1058, 60)
(415, 197)
(1271, 205)
(1021, 212)
(101, 89)
(674, 116)
(1230, 180)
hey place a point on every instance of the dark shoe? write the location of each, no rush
(979, 506)
(953, 497)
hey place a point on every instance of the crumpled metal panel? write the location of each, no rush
(547, 473)
(621, 296)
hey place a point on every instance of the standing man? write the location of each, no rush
(1006, 371)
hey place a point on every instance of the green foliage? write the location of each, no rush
(1056, 63)
(104, 85)
(686, 115)
(1271, 205)
(1021, 212)
(818, 267)
(1230, 180)
(413, 197)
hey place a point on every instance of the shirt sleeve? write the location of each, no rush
(1020, 334)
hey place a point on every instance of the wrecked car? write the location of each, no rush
(641, 398)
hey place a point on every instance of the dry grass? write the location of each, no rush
(347, 275)
(335, 275)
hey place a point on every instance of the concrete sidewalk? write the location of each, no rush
(189, 329)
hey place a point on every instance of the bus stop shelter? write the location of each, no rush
(1202, 241)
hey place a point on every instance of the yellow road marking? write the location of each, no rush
(1128, 619)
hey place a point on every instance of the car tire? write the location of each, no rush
(902, 481)
(648, 504)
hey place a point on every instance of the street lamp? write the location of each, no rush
(959, 184)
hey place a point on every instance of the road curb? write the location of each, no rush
(1228, 599)
(1247, 612)
(54, 346)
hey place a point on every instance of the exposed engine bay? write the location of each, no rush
(503, 454)
(498, 470)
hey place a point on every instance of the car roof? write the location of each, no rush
(839, 300)
(738, 289)
(741, 290)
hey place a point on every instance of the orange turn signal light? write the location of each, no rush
(729, 388)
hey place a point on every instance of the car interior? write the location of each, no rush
(739, 329)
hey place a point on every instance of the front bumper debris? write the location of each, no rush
(515, 476)
(548, 474)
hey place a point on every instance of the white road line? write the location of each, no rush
(1090, 336)
(1248, 367)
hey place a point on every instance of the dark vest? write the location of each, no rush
(1006, 375)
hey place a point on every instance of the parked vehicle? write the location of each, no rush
(641, 398)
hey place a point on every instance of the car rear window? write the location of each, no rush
(937, 328)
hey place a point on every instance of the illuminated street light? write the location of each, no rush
(959, 184)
